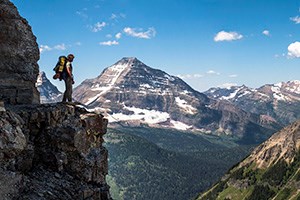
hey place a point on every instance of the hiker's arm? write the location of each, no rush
(70, 73)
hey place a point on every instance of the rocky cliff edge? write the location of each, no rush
(52, 151)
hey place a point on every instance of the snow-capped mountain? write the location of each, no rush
(280, 101)
(48, 92)
(133, 93)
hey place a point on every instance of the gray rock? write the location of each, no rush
(19, 54)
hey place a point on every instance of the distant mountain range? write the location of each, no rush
(147, 106)
(279, 101)
(272, 171)
(48, 92)
(134, 94)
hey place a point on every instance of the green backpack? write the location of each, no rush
(60, 67)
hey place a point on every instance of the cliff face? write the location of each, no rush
(19, 54)
(46, 151)
(51, 152)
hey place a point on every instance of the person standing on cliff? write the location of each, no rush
(68, 78)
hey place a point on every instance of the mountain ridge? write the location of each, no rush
(271, 171)
(281, 101)
(133, 93)
(48, 92)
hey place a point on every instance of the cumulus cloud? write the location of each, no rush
(295, 19)
(139, 33)
(118, 35)
(98, 26)
(44, 48)
(227, 36)
(266, 33)
(294, 50)
(60, 47)
(189, 76)
(212, 72)
(109, 43)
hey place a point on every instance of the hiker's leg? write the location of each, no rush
(69, 89)
(65, 93)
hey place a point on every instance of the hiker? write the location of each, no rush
(67, 76)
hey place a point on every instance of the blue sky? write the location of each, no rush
(208, 43)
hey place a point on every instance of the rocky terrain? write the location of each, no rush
(50, 151)
(19, 54)
(279, 101)
(132, 93)
(270, 172)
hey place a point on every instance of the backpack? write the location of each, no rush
(60, 67)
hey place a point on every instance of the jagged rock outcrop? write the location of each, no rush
(19, 54)
(52, 152)
(279, 101)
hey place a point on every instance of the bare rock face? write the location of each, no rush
(52, 151)
(283, 145)
(19, 54)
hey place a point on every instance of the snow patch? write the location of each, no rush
(277, 94)
(144, 115)
(244, 93)
(230, 96)
(294, 86)
(115, 72)
(185, 106)
(180, 126)
(170, 78)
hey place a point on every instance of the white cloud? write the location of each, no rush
(118, 35)
(294, 50)
(189, 76)
(233, 76)
(266, 32)
(227, 85)
(109, 43)
(295, 19)
(108, 36)
(212, 72)
(60, 47)
(98, 26)
(44, 48)
(227, 36)
(139, 32)
(78, 43)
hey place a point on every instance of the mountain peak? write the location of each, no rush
(130, 61)
(48, 92)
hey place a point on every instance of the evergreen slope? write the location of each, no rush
(272, 171)
(147, 163)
